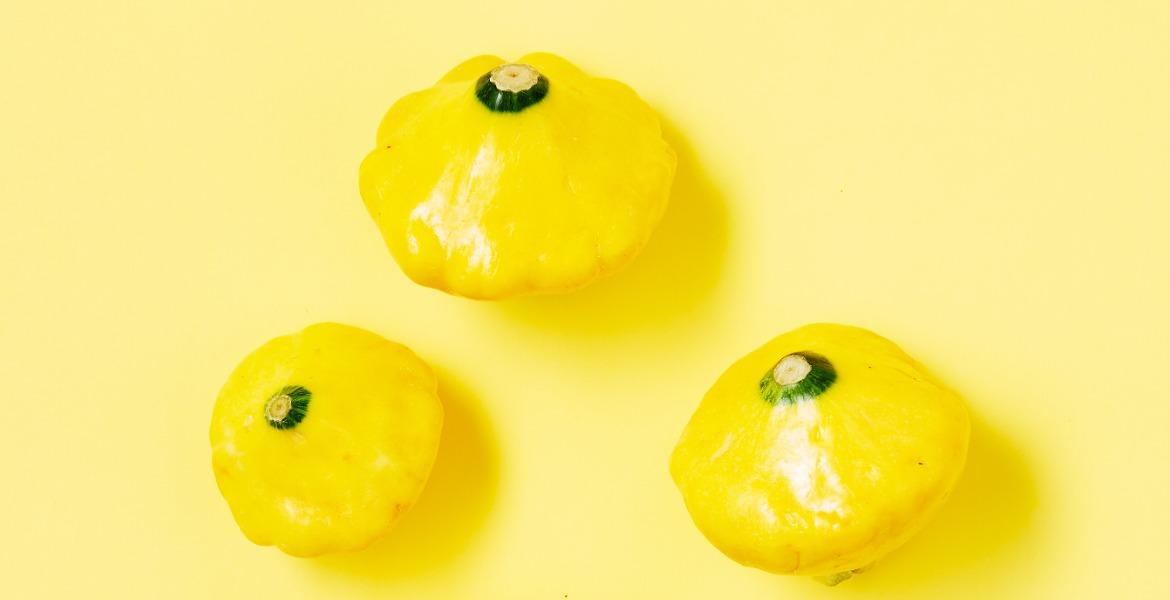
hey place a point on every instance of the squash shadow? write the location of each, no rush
(977, 529)
(453, 506)
(667, 281)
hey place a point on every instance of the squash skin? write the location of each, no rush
(827, 485)
(489, 205)
(342, 476)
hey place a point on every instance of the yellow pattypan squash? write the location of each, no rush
(322, 439)
(820, 452)
(506, 179)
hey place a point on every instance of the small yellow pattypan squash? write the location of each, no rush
(322, 439)
(506, 179)
(820, 452)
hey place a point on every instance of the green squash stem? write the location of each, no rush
(511, 88)
(797, 377)
(835, 578)
(287, 408)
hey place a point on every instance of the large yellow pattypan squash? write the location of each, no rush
(514, 178)
(322, 439)
(820, 452)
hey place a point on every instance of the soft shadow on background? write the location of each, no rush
(677, 269)
(988, 514)
(453, 506)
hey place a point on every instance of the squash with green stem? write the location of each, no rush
(322, 439)
(820, 452)
(505, 179)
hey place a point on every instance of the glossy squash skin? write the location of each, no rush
(322, 439)
(486, 193)
(794, 465)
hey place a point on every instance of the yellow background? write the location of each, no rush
(985, 182)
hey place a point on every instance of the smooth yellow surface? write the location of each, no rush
(984, 182)
(491, 205)
(826, 484)
(355, 462)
